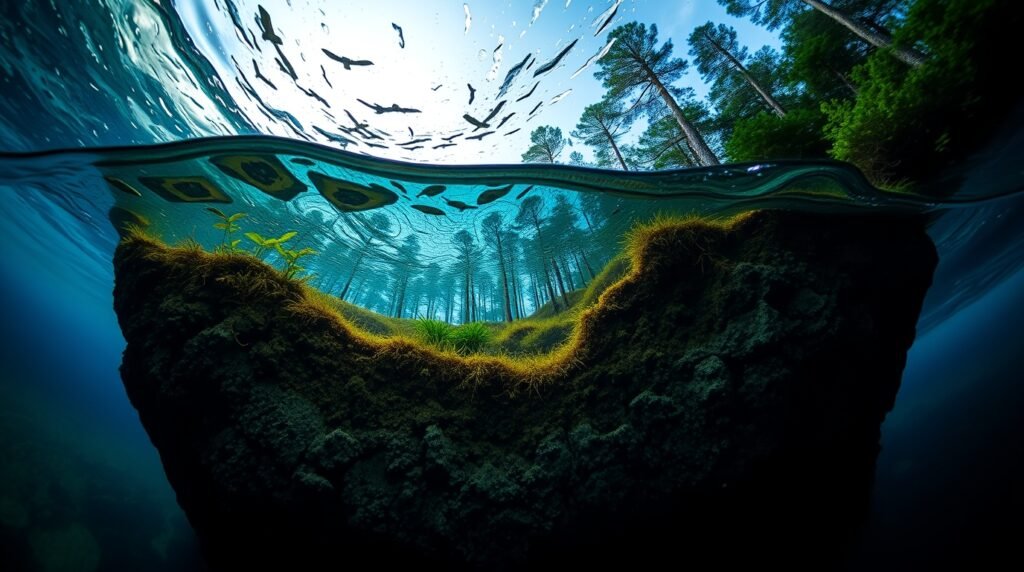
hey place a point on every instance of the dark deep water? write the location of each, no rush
(80, 480)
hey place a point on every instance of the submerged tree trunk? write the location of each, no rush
(551, 289)
(352, 274)
(561, 283)
(764, 93)
(567, 271)
(590, 269)
(579, 269)
(449, 303)
(875, 36)
(504, 278)
(466, 298)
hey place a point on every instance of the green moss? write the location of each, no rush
(372, 322)
(546, 329)
(530, 350)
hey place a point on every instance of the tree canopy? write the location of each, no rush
(547, 143)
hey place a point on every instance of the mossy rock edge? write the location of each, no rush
(721, 406)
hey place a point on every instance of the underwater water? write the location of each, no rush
(122, 112)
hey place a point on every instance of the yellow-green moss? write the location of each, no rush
(395, 340)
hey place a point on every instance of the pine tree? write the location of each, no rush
(601, 125)
(719, 55)
(636, 67)
(547, 144)
(774, 13)
(493, 228)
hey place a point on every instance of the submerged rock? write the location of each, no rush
(722, 405)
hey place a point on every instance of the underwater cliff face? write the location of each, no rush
(727, 393)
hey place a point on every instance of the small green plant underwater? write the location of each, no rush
(465, 339)
(471, 337)
(434, 332)
(227, 224)
(291, 257)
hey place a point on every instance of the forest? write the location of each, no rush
(545, 254)
(869, 82)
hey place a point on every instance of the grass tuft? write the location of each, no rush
(436, 333)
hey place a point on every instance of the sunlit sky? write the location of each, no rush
(439, 51)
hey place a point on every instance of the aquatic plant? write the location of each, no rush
(437, 333)
(291, 257)
(227, 224)
(262, 244)
(470, 338)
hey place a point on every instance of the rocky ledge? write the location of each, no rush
(721, 405)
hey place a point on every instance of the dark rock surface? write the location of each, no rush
(724, 409)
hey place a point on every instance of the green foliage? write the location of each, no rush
(470, 338)
(662, 146)
(819, 56)
(905, 122)
(640, 75)
(228, 225)
(626, 70)
(735, 76)
(775, 13)
(601, 126)
(435, 332)
(547, 144)
(765, 136)
(290, 256)
(465, 339)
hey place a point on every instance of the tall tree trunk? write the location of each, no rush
(567, 272)
(586, 217)
(764, 93)
(472, 299)
(846, 82)
(352, 274)
(579, 269)
(611, 141)
(520, 298)
(590, 269)
(875, 36)
(561, 284)
(400, 299)
(685, 155)
(504, 278)
(514, 294)
(536, 292)
(449, 303)
(551, 290)
(704, 154)
(547, 278)
(465, 298)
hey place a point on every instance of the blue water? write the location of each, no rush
(78, 476)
